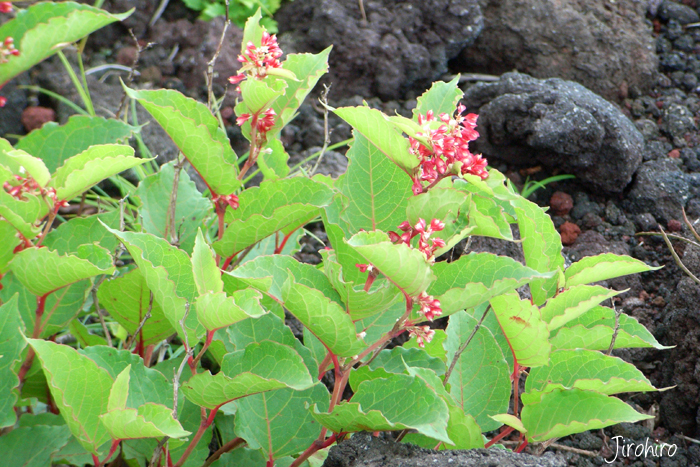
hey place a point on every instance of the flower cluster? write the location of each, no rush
(425, 231)
(447, 151)
(258, 60)
(27, 185)
(7, 49)
(423, 334)
(226, 200)
(263, 123)
(5, 7)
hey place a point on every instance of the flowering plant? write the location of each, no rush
(154, 329)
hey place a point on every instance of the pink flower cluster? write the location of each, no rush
(425, 231)
(263, 123)
(448, 150)
(224, 200)
(423, 334)
(7, 49)
(5, 7)
(27, 185)
(257, 60)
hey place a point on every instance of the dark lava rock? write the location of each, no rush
(659, 188)
(365, 450)
(678, 121)
(592, 243)
(681, 327)
(11, 114)
(669, 10)
(604, 45)
(404, 45)
(558, 123)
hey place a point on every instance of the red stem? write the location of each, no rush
(315, 446)
(516, 386)
(279, 249)
(369, 281)
(204, 424)
(499, 437)
(228, 261)
(27, 365)
(522, 446)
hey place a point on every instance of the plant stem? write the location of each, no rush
(280, 247)
(27, 365)
(204, 424)
(170, 216)
(207, 343)
(516, 387)
(230, 446)
(315, 446)
(499, 437)
(463, 347)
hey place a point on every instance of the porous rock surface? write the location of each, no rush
(365, 450)
(403, 45)
(527, 121)
(604, 45)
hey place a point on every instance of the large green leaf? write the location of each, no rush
(527, 334)
(377, 190)
(541, 246)
(585, 369)
(190, 211)
(323, 317)
(33, 446)
(358, 303)
(79, 388)
(280, 205)
(480, 381)
(406, 267)
(41, 27)
(307, 68)
(168, 274)
(54, 143)
(440, 98)
(11, 346)
(207, 275)
(603, 267)
(487, 218)
(42, 270)
(217, 310)
(8, 242)
(476, 278)
(594, 330)
(61, 307)
(261, 367)
(380, 134)
(68, 236)
(148, 421)
(572, 303)
(127, 299)
(279, 422)
(194, 130)
(386, 404)
(22, 214)
(560, 413)
(20, 162)
(80, 172)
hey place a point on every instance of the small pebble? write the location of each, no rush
(35, 117)
(569, 233)
(674, 225)
(561, 203)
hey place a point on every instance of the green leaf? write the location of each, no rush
(82, 171)
(541, 247)
(572, 303)
(252, 32)
(272, 161)
(42, 270)
(207, 275)
(269, 273)
(258, 95)
(323, 317)
(476, 278)
(79, 388)
(61, 306)
(308, 69)
(480, 381)
(434, 348)
(603, 267)
(527, 334)
(380, 133)
(386, 404)
(127, 300)
(148, 421)
(588, 370)
(358, 303)
(41, 27)
(54, 143)
(396, 360)
(168, 274)
(196, 132)
(217, 310)
(594, 330)
(11, 347)
(376, 189)
(68, 236)
(84, 338)
(279, 422)
(190, 211)
(33, 446)
(406, 267)
(273, 206)
(120, 390)
(488, 219)
(440, 98)
(551, 416)
(8, 242)
(20, 162)
(23, 214)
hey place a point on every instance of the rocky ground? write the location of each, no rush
(608, 91)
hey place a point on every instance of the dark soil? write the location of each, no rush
(635, 151)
